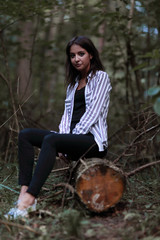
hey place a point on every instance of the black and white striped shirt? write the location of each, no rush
(97, 95)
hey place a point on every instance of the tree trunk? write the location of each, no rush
(24, 67)
(130, 53)
(99, 184)
(102, 28)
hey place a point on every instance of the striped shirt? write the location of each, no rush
(97, 95)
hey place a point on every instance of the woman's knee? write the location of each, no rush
(24, 133)
(50, 138)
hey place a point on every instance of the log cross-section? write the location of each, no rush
(99, 184)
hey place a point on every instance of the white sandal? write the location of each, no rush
(15, 213)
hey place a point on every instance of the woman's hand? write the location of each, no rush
(61, 156)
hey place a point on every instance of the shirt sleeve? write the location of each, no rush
(100, 97)
(63, 126)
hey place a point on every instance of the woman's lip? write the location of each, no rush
(77, 65)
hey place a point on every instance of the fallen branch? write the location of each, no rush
(47, 213)
(66, 185)
(60, 169)
(20, 226)
(141, 168)
(50, 196)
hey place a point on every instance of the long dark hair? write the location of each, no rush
(87, 44)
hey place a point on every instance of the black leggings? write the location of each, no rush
(50, 143)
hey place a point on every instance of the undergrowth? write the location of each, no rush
(136, 216)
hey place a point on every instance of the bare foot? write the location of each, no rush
(26, 200)
(22, 192)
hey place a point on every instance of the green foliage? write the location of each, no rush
(154, 92)
(156, 106)
(70, 222)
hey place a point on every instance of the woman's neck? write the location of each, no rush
(82, 83)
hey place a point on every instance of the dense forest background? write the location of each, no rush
(33, 37)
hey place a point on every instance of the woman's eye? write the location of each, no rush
(81, 54)
(72, 55)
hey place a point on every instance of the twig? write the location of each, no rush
(51, 196)
(130, 123)
(134, 141)
(20, 226)
(1, 185)
(4, 78)
(16, 20)
(141, 168)
(60, 169)
(83, 162)
(47, 213)
(66, 185)
(9, 82)
(5, 59)
(142, 184)
(151, 139)
(8, 145)
(17, 109)
(31, 56)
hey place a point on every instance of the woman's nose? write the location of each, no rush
(76, 58)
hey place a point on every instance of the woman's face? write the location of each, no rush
(80, 58)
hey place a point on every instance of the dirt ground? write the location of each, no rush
(136, 216)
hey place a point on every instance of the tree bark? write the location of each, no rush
(130, 53)
(24, 68)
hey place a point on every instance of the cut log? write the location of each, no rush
(99, 184)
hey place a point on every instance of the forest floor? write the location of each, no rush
(136, 216)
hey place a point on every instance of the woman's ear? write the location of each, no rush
(91, 56)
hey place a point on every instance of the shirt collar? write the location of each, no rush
(88, 77)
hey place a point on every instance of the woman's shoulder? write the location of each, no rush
(102, 78)
(101, 75)
(70, 89)
(101, 72)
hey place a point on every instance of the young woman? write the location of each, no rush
(83, 124)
